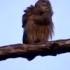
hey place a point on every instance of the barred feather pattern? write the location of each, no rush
(37, 22)
(38, 33)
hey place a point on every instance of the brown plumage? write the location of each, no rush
(37, 23)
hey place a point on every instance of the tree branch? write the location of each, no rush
(30, 51)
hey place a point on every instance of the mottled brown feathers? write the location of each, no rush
(37, 23)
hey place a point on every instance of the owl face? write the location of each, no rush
(44, 6)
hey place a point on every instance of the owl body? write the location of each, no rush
(37, 23)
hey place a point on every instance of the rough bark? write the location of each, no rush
(30, 51)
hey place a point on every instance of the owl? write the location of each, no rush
(37, 23)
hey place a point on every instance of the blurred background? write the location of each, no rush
(11, 33)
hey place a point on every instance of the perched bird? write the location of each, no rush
(37, 23)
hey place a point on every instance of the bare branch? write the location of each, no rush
(30, 51)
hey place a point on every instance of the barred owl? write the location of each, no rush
(37, 23)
